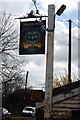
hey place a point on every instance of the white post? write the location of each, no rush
(49, 64)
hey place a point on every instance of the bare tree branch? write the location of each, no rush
(11, 71)
(8, 34)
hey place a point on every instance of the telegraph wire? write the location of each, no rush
(75, 24)
(63, 20)
(39, 84)
(34, 78)
(67, 34)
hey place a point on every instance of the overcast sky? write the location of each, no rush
(36, 64)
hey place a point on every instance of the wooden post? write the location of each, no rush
(49, 64)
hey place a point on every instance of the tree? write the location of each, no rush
(12, 76)
(63, 79)
(8, 35)
(60, 81)
(10, 67)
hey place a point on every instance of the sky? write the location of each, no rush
(36, 64)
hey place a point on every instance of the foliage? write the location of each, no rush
(60, 81)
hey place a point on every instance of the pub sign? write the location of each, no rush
(32, 37)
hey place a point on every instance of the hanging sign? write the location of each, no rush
(32, 37)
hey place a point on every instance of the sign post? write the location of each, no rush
(49, 64)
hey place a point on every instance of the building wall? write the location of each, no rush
(64, 108)
(65, 104)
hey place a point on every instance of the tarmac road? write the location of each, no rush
(23, 118)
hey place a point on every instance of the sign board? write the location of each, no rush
(32, 37)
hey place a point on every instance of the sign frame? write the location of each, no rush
(32, 37)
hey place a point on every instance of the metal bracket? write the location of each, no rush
(50, 30)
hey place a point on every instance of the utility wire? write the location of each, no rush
(34, 78)
(39, 84)
(63, 20)
(75, 24)
(67, 34)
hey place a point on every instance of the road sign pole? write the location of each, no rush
(49, 64)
